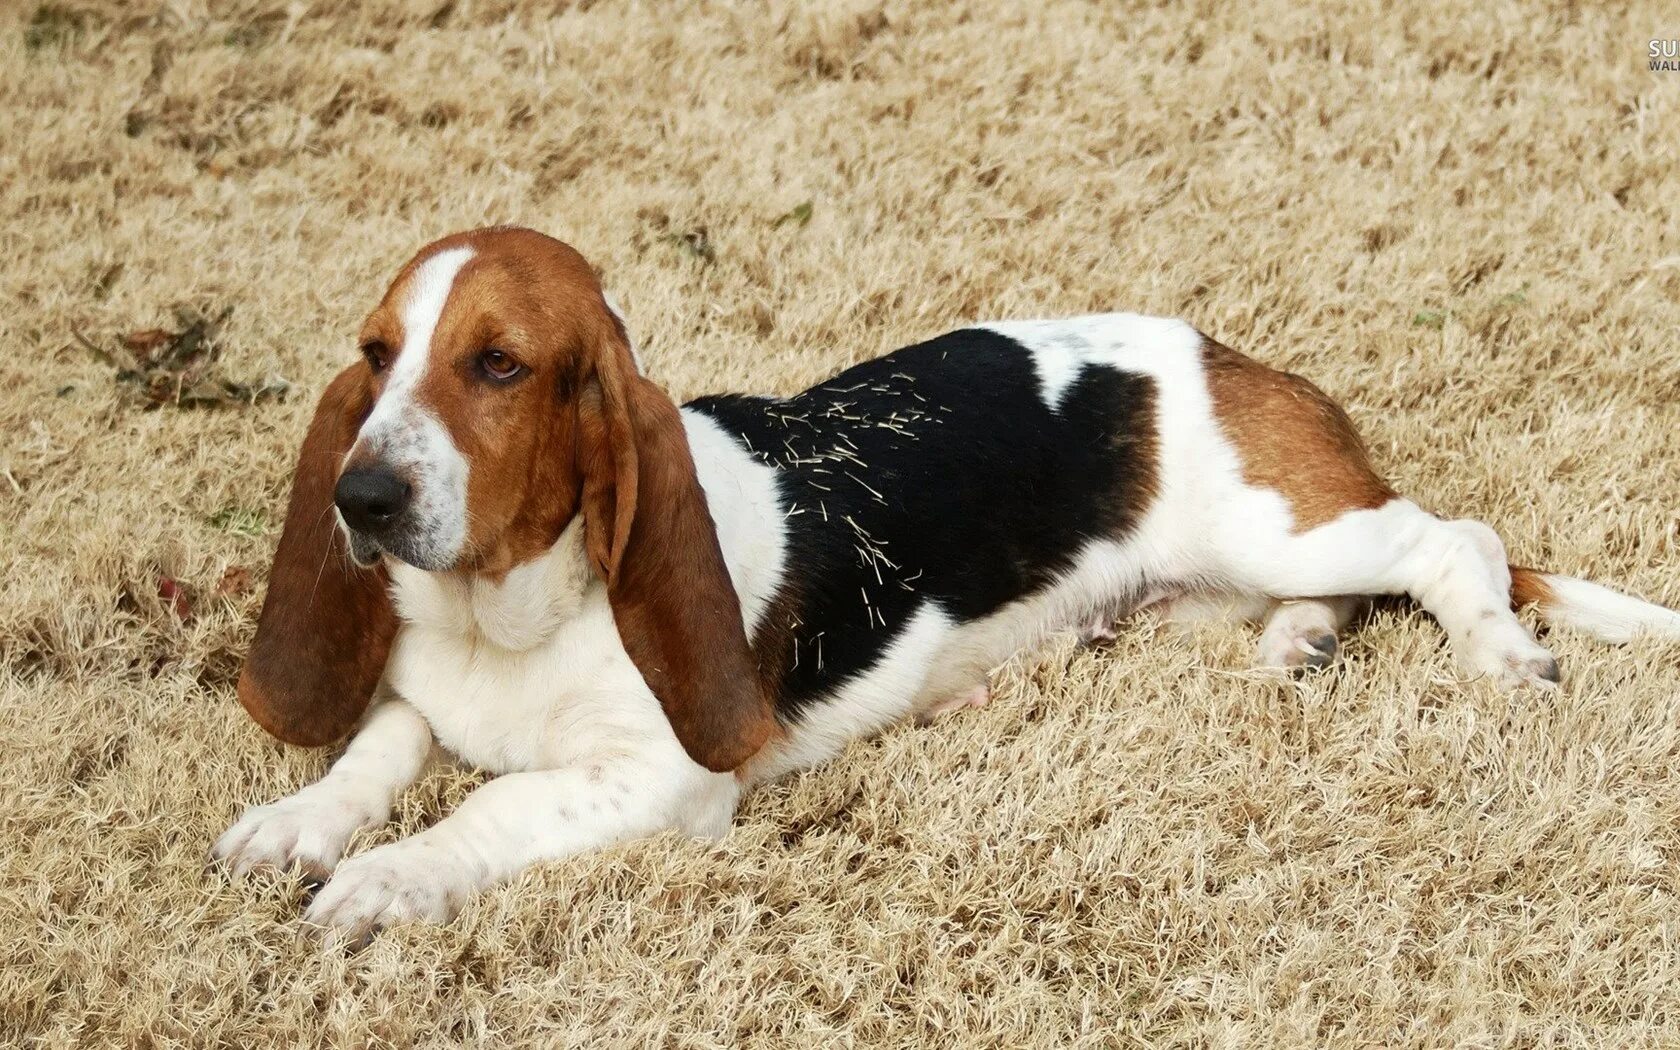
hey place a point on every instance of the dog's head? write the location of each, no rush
(496, 399)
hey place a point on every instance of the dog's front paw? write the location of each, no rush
(307, 831)
(408, 881)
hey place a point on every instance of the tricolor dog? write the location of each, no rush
(505, 542)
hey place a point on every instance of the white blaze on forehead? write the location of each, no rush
(428, 291)
(411, 440)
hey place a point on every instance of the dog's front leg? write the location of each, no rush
(508, 825)
(310, 829)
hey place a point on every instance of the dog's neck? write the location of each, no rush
(516, 610)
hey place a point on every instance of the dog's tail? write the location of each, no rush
(1608, 615)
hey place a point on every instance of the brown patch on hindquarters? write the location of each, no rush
(1292, 438)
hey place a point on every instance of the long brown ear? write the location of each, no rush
(652, 540)
(326, 624)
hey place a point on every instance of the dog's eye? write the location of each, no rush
(498, 364)
(377, 354)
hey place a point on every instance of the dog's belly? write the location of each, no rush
(934, 658)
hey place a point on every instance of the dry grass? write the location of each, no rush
(1460, 221)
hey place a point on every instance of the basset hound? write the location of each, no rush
(504, 541)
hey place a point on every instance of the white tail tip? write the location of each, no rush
(1605, 614)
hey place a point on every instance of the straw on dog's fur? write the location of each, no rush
(1453, 223)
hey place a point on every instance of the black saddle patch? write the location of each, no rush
(936, 474)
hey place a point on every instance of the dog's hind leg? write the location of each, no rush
(1311, 518)
(1455, 569)
(1298, 634)
(1301, 634)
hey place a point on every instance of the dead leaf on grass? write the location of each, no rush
(696, 243)
(236, 580)
(174, 597)
(800, 215)
(178, 367)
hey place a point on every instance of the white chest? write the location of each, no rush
(521, 675)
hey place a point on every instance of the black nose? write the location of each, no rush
(370, 498)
